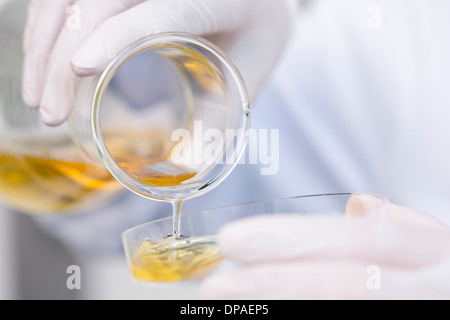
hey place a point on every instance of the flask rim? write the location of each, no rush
(147, 43)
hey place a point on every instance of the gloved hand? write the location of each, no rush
(252, 32)
(404, 255)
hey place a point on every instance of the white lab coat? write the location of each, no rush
(361, 99)
(362, 102)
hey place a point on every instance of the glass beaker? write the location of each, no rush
(156, 260)
(168, 119)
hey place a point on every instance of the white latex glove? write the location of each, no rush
(252, 32)
(405, 255)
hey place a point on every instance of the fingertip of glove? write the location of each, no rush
(29, 97)
(51, 116)
(31, 82)
(83, 71)
(366, 205)
(85, 65)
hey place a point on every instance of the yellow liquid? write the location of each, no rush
(41, 185)
(176, 260)
(154, 178)
(145, 155)
(37, 185)
(166, 180)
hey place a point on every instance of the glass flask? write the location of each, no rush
(167, 119)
